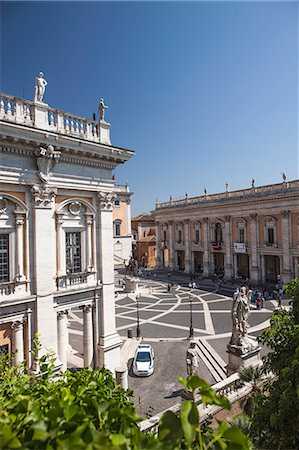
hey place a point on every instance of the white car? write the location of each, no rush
(143, 362)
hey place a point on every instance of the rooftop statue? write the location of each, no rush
(102, 108)
(240, 312)
(40, 87)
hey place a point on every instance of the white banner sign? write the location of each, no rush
(239, 247)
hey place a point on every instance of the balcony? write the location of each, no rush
(77, 280)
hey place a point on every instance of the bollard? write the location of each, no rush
(121, 376)
(130, 334)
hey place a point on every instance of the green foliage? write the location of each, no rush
(275, 416)
(187, 433)
(86, 410)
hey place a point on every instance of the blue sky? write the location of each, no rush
(203, 92)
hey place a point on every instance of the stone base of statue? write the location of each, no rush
(131, 285)
(237, 357)
(40, 114)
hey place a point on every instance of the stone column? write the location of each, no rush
(171, 245)
(187, 245)
(89, 220)
(62, 337)
(286, 238)
(19, 222)
(109, 340)
(44, 259)
(60, 243)
(228, 248)
(206, 247)
(254, 266)
(87, 335)
(158, 244)
(28, 338)
(263, 269)
(18, 342)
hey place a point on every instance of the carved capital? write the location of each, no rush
(253, 217)
(106, 201)
(46, 159)
(43, 196)
(19, 218)
(62, 314)
(227, 218)
(86, 308)
(17, 325)
(59, 218)
(285, 213)
(205, 219)
(88, 218)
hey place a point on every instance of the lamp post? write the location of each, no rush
(137, 313)
(191, 331)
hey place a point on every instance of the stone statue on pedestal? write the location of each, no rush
(192, 359)
(240, 312)
(40, 87)
(102, 108)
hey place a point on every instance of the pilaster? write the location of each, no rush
(109, 340)
(228, 248)
(18, 342)
(158, 244)
(254, 266)
(171, 245)
(187, 245)
(44, 265)
(286, 256)
(206, 247)
(62, 333)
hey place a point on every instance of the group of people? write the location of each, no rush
(260, 295)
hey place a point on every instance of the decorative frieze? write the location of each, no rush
(43, 195)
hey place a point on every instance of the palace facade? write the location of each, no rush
(122, 234)
(250, 233)
(144, 240)
(56, 231)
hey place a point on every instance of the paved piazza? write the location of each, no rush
(164, 322)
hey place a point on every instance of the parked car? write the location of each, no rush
(143, 362)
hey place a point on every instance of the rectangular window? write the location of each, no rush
(73, 252)
(270, 232)
(117, 229)
(179, 236)
(4, 258)
(197, 236)
(242, 235)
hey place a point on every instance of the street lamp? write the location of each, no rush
(137, 313)
(191, 331)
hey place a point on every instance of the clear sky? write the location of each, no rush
(203, 92)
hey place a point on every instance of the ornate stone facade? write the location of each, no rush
(56, 231)
(251, 233)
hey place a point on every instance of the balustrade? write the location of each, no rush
(11, 287)
(73, 279)
(18, 110)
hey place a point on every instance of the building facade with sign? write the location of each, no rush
(56, 230)
(251, 233)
